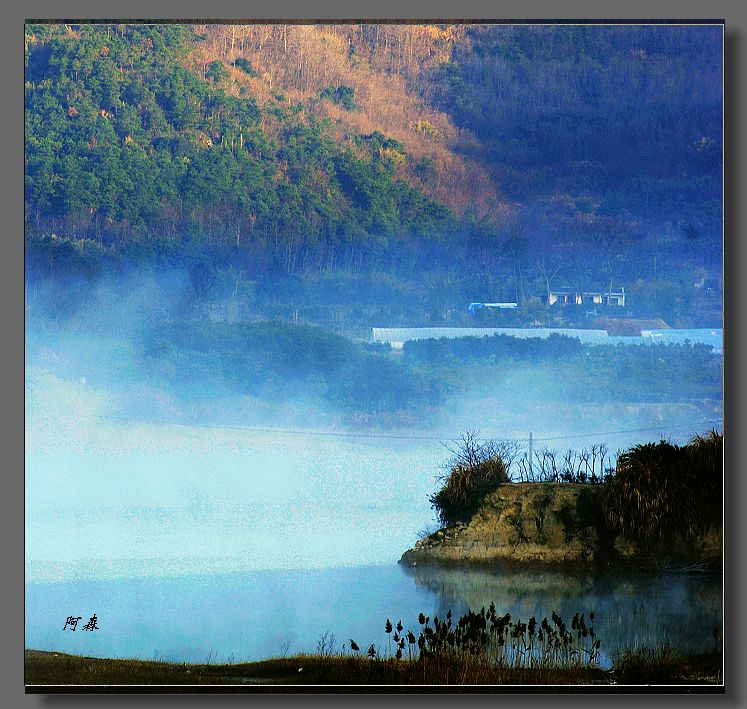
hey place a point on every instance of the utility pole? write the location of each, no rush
(531, 451)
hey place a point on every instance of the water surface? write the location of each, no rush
(251, 616)
(193, 542)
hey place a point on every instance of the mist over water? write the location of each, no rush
(146, 501)
(124, 478)
(220, 453)
(109, 498)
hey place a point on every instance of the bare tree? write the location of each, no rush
(469, 450)
(548, 274)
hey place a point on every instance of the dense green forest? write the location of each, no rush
(128, 149)
(277, 361)
(452, 164)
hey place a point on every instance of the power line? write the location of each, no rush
(632, 430)
(331, 434)
(418, 437)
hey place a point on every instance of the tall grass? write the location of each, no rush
(502, 642)
(662, 492)
(705, 456)
(666, 666)
(495, 640)
(479, 648)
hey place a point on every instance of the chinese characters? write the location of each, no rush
(72, 622)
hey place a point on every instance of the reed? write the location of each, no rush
(495, 641)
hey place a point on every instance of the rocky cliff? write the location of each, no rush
(549, 524)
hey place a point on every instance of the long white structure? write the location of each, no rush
(397, 336)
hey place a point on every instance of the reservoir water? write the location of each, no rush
(192, 542)
(251, 616)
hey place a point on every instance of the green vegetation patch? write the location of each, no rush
(475, 470)
(660, 372)
(658, 494)
(246, 66)
(277, 359)
(125, 144)
(340, 95)
(661, 492)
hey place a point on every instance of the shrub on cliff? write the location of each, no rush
(705, 455)
(649, 499)
(662, 492)
(475, 470)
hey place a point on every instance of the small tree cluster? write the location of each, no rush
(341, 95)
(475, 469)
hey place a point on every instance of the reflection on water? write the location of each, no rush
(631, 610)
(266, 613)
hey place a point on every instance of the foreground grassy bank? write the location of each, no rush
(48, 668)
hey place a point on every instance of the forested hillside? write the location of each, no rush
(450, 163)
(124, 143)
(611, 135)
